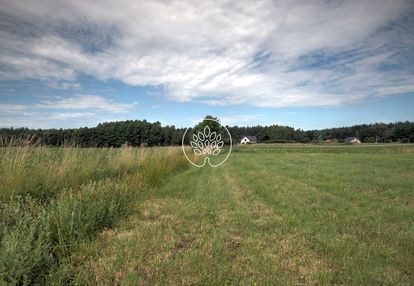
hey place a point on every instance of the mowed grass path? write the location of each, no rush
(268, 217)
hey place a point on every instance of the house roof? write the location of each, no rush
(251, 138)
(349, 139)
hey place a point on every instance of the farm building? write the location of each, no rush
(248, 140)
(352, 140)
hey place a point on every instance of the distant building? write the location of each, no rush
(352, 140)
(248, 140)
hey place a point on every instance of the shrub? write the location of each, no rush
(25, 246)
(80, 215)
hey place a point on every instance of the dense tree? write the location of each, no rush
(212, 122)
(143, 133)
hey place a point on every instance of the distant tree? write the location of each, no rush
(138, 132)
(212, 122)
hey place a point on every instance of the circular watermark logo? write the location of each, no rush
(210, 142)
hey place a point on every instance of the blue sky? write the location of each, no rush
(306, 64)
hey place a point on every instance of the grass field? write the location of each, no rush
(284, 215)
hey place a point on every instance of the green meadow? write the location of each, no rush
(270, 215)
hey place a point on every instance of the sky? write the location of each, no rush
(305, 64)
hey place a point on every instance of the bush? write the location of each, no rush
(25, 246)
(35, 238)
(76, 216)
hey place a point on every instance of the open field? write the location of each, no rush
(270, 215)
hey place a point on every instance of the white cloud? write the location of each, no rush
(58, 112)
(90, 102)
(53, 119)
(241, 119)
(239, 52)
(34, 119)
(58, 84)
(68, 115)
(11, 107)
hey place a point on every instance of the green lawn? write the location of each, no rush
(270, 215)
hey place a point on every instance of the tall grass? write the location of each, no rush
(51, 199)
(42, 172)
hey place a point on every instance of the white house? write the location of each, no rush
(352, 140)
(248, 140)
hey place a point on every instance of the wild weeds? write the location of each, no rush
(54, 198)
(42, 172)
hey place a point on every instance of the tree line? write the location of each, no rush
(141, 133)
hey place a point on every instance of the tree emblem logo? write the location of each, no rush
(210, 142)
(207, 142)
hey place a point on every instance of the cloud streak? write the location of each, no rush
(53, 111)
(262, 53)
(11, 107)
(89, 102)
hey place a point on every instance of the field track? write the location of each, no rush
(271, 216)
